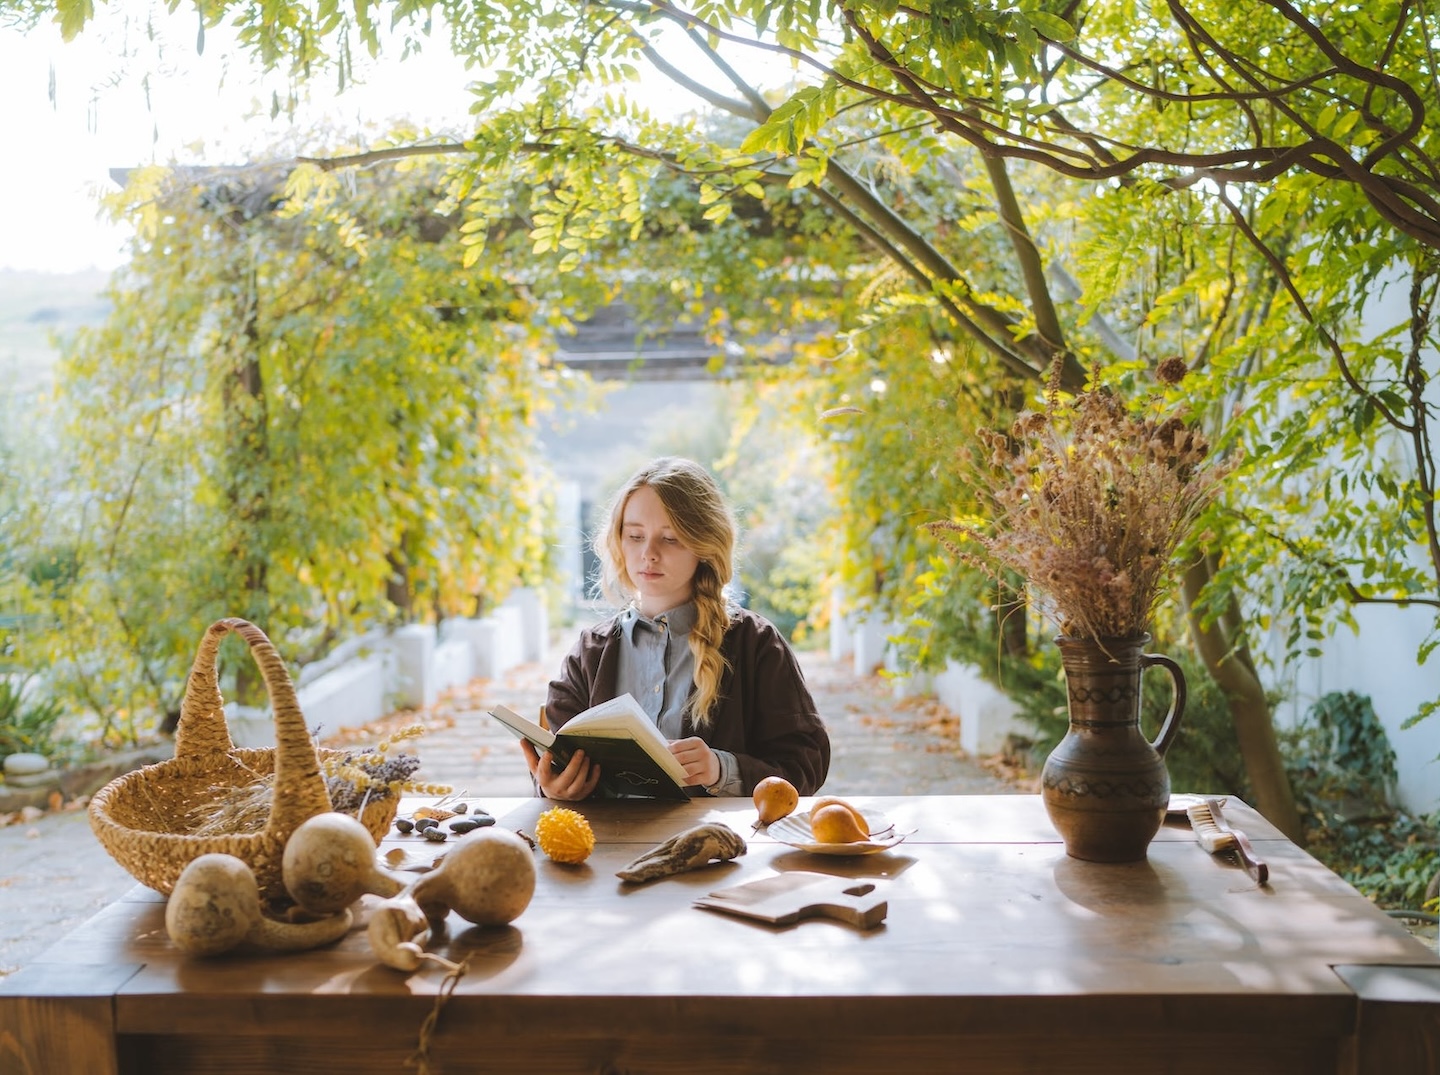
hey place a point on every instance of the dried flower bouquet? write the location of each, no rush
(1088, 505)
(353, 780)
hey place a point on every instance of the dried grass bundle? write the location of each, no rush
(353, 780)
(1089, 504)
(242, 809)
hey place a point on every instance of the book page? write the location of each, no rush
(619, 718)
(622, 718)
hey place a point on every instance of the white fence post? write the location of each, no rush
(413, 647)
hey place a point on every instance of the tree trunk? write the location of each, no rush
(1254, 723)
(1014, 628)
(248, 461)
(397, 587)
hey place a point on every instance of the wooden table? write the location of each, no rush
(999, 954)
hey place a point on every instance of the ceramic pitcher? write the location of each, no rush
(1105, 785)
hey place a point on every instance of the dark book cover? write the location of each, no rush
(625, 768)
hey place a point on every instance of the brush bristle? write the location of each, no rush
(1211, 836)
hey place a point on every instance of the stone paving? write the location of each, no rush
(54, 875)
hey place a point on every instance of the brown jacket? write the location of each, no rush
(764, 714)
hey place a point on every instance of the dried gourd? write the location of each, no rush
(216, 907)
(329, 862)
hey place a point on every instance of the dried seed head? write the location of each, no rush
(1088, 503)
(1172, 370)
(1027, 424)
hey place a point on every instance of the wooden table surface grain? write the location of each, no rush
(997, 950)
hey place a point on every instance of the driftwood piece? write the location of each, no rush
(688, 850)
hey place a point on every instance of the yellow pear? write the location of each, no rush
(830, 800)
(836, 824)
(775, 797)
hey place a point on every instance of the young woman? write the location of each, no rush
(720, 682)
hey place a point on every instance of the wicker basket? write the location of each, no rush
(145, 818)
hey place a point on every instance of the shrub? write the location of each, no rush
(27, 725)
(1342, 769)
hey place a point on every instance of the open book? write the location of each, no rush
(618, 736)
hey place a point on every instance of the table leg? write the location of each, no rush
(60, 1017)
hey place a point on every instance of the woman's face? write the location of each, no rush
(660, 567)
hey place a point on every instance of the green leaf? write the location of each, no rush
(768, 135)
(1052, 26)
(73, 16)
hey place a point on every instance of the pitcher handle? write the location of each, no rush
(1171, 725)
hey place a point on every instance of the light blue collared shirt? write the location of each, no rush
(657, 667)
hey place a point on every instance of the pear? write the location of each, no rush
(830, 800)
(775, 797)
(836, 824)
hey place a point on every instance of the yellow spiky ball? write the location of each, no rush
(564, 835)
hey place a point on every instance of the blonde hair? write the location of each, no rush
(705, 525)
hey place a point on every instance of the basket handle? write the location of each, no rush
(299, 792)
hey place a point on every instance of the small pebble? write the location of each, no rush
(464, 824)
(460, 808)
(404, 824)
(482, 820)
(425, 824)
(434, 832)
(25, 764)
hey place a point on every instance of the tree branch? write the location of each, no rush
(699, 89)
(1337, 352)
(378, 156)
(1032, 268)
(1335, 570)
(993, 329)
(952, 310)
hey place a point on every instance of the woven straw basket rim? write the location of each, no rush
(140, 817)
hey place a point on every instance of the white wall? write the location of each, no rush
(365, 678)
(1379, 662)
(987, 716)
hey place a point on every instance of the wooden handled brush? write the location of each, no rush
(1215, 834)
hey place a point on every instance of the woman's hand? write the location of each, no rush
(578, 780)
(702, 767)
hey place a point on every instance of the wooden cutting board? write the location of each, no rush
(798, 894)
